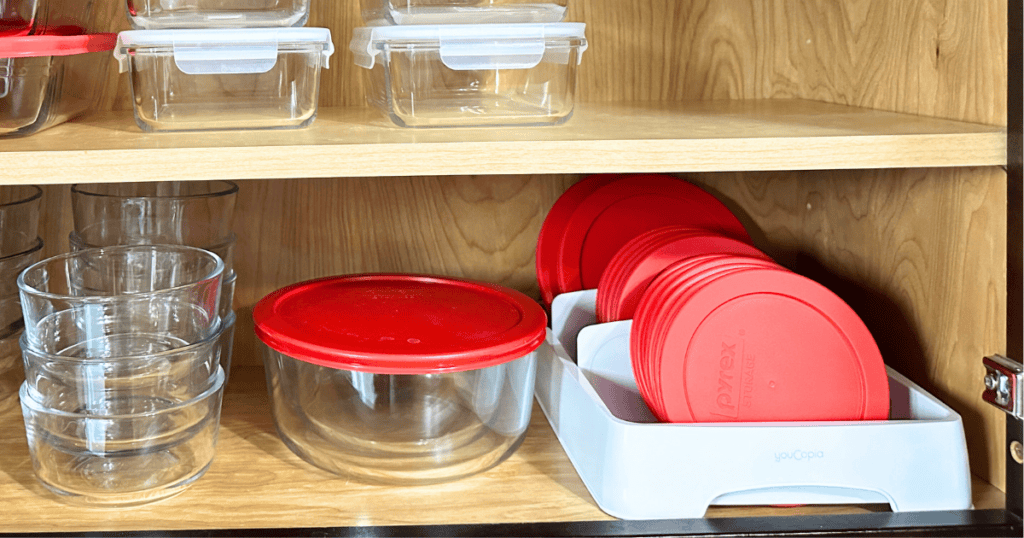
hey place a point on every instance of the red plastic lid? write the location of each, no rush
(614, 275)
(400, 324)
(616, 213)
(551, 231)
(690, 280)
(55, 44)
(777, 347)
(658, 306)
(635, 274)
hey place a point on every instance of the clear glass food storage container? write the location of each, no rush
(377, 12)
(224, 79)
(473, 74)
(167, 14)
(400, 379)
(128, 451)
(26, 17)
(49, 79)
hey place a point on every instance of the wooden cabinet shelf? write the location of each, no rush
(700, 136)
(255, 481)
(862, 143)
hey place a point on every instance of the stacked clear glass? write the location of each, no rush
(20, 246)
(123, 380)
(195, 214)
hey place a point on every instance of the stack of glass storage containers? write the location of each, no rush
(223, 64)
(468, 63)
(123, 383)
(126, 341)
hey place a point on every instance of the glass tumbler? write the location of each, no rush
(135, 451)
(19, 218)
(164, 293)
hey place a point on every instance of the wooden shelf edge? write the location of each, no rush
(640, 137)
(262, 485)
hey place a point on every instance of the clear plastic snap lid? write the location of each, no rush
(476, 46)
(226, 51)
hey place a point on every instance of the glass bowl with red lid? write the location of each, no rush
(400, 379)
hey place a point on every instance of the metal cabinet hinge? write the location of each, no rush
(1003, 384)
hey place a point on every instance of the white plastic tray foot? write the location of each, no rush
(636, 468)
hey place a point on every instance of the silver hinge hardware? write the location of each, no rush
(1003, 384)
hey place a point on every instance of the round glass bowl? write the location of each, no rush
(194, 213)
(118, 291)
(134, 451)
(400, 379)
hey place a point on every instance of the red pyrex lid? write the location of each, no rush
(400, 324)
(760, 345)
(55, 44)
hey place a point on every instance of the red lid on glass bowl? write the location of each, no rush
(400, 324)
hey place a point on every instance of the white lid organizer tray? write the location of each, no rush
(637, 468)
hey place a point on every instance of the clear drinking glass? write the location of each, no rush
(19, 219)
(136, 450)
(161, 292)
(197, 214)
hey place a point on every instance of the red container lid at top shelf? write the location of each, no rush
(57, 41)
(400, 324)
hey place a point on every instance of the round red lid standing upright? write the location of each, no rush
(400, 324)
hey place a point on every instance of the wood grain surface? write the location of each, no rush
(255, 481)
(783, 134)
(944, 58)
(920, 253)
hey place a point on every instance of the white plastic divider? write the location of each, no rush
(636, 468)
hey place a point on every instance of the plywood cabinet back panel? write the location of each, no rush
(919, 254)
(942, 58)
